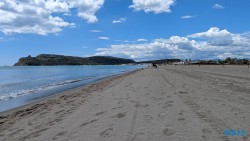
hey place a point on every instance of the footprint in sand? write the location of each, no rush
(181, 113)
(169, 132)
(162, 115)
(148, 117)
(138, 105)
(182, 118)
(119, 107)
(154, 98)
(168, 104)
(120, 115)
(183, 92)
(119, 102)
(106, 133)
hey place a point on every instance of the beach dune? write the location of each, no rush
(182, 103)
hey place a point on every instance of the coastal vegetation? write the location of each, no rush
(228, 60)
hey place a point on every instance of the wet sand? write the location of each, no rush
(183, 103)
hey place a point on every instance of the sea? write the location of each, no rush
(20, 85)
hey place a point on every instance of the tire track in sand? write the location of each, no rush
(217, 124)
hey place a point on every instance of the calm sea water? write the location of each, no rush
(22, 85)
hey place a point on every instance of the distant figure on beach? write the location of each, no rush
(154, 65)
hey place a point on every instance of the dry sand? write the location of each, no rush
(183, 103)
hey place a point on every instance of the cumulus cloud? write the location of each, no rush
(216, 36)
(87, 8)
(38, 16)
(159, 48)
(120, 20)
(184, 47)
(217, 6)
(155, 6)
(213, 32)
(104, 38)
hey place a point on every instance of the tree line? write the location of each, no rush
(228, 60)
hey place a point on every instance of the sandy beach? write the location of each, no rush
(182, 103)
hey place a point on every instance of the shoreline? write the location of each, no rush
(65, 93)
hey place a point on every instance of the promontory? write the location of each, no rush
(55, 60)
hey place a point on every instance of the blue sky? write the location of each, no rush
(136, 29)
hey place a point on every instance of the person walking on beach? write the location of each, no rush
(154, 65)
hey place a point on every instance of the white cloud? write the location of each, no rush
(156, 6)
(38, 16)
(142, 40)
(186, 17)
(95, 31)
(157, 49)
(104, 38)
(87, 8)
(216, 36)
(120, 20)
(54, 6)
(213, 32)
(217, 6)
(184, 47)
